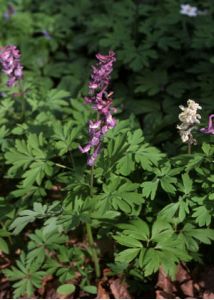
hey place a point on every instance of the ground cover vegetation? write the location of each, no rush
(106, 168)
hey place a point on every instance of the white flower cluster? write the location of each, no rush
(189, 118)
(188, 10)
(191, 11)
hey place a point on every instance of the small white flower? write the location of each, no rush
(189, 10)
(189, 119)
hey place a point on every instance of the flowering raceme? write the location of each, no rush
(189, 119)
(9, 12)
(101, 102)
(189, 10)
(10, 61)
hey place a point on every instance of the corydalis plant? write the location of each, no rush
(189, 119)
(10, 61)
(101, 102)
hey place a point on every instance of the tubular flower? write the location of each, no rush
(189, 119)
(10, 61)
(101, 102)
(210, 128)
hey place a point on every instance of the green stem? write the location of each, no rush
(90, 234)
(22, 93)
(93, 250)
(72, 159)
(189, 148)
(92, 181)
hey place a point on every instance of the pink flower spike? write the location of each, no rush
(11, 66)
(100, 100)
(210, 128)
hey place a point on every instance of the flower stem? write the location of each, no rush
(189, 148)
(92, 181)
(93, 250)
(90, 234)
(72, 159)
(22, 93)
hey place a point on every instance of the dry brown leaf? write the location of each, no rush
(185, 281)
(182, 273)
(119, 288)
(182, 286)
(51, 294)
(4, 288)
(207, 295)
(45, 280)
(165, 283)
(207, 283)
(163, 295)
(101, 291)
(4, 261)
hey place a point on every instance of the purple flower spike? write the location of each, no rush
(210, 128)
(9, 12)
(10, 61)
(101, 102)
